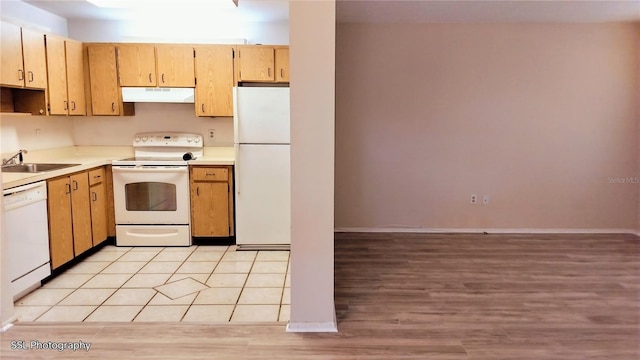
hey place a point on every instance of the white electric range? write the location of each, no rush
(151, 190)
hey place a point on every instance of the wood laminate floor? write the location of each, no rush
(419, 296)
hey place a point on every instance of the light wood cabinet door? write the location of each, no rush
(81, 213)
(57, 72)
(214, 86)
(98, 198)
(256, 63)
(175, 65)
(282, 64)
(136, 65)
(60, 221)
(75, 78)
(12, 71)
(211, 212)
(111, 216)
(211, 209)
(105, 93)
(34, 56)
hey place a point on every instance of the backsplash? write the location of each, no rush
(44, 132)
(34, 132)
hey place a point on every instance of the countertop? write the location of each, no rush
(88, 157)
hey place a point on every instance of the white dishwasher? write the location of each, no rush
(27, 231)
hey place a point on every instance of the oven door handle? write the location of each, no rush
(157, 169)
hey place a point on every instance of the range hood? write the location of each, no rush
(161, 95)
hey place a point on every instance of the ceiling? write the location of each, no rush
(488, 11)
(385, 10)
(247, 10)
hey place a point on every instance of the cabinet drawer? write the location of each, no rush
(96, 176)
(210, 174)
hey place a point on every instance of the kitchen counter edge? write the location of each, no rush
(92, 157)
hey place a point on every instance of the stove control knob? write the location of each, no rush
(197, 139)
(189, 139)
(144, 138)
(137, 138)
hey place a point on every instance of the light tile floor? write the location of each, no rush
(194, 284)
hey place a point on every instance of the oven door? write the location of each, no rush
(147, 195)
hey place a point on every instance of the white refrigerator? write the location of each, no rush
(262, 167)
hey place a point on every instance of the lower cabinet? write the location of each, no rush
(71, 208)
(98, 198)
(211, 201)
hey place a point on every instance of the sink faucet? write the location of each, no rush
(12, 160)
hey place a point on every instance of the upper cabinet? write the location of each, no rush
(175, 65)
(214, 71)
(256, 63)
(282, 64)
(105, 93)
(262, 63)
(75, 78)
(137, 64)
(12, 68)
(66, 76)
(23, 58)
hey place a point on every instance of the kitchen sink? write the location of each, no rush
(34, 167)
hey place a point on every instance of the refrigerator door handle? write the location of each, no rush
(237, 169)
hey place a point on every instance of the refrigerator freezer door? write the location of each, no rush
(263, 195)
(261, 115)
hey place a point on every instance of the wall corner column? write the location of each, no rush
(312, 58)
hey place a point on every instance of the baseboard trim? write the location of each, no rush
(8, 323)
(327, 327)
(485, 230)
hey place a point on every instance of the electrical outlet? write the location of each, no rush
(485, 199)
(212, 134)
(474, 198)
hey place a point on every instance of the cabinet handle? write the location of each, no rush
(95, 196)
(281, 73)
(66, 105)
(97, 177)
(149, 77)
(203, 108)
(197, 191)
(20, 74)
(68, 188)
(269, 72)
(73, 105)
(163, 78)
(30, 76)
(75, 185)
(113, 107)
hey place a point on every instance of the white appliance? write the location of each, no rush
(27, 234)
(151, 190)
(262, 167)
(162, 95)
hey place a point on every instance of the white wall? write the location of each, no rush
(27, 15)
(119, 130)
(34, 132)
(312, 57)
(192, 31)
(537, 116)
